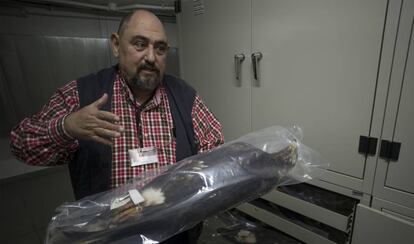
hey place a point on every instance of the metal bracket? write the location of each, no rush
(177, 6)
(390, 150)
(367, 145)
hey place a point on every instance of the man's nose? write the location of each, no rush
(150, 57)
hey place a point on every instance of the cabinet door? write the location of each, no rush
(319, 71)
(394, 179)
(373, 226)
(211, 33)
(395, 209)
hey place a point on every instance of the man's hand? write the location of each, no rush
(91, 123)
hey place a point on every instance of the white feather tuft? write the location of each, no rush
(153, 197)
(245, 236)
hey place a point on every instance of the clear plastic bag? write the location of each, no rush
(235, 227)
(151, 208)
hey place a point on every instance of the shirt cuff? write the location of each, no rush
(58, 133)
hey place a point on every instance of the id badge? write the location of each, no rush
(142, 156)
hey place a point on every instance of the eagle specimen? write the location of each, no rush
(180, 197)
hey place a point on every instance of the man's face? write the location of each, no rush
(142, 49)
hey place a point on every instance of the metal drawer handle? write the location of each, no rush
(255, 60)
(238, 59)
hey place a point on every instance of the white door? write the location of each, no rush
(394, 179)
(318, 71)
(211, 33)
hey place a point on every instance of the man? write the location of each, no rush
(96, 123)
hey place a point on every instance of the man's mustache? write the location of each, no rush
(148, 66)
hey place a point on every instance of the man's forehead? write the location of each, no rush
(144, 24)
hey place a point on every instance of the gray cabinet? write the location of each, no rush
(318, 70)
(372, 226)
(211, 37)
(338, 69)
(393, 178)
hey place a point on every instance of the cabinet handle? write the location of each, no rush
(238, 59)
(255, 60)
(390, 150)
(367, 145)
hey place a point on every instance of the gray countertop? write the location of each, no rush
(11, 167)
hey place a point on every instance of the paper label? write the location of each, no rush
(142, 156)
(118, 203)
(136, 196)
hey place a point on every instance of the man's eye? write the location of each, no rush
(140, 44)
(161, 48)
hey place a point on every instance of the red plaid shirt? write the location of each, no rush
(41, 139)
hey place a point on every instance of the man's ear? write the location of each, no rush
(115, 44)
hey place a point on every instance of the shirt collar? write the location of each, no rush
(154, 101)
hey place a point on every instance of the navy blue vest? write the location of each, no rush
(90, 169)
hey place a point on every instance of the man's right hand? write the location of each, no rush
(91, 123)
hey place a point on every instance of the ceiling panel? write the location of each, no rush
(99, 7)
(128, 2)
(99, 4)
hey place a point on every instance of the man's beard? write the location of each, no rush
(146, 82)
